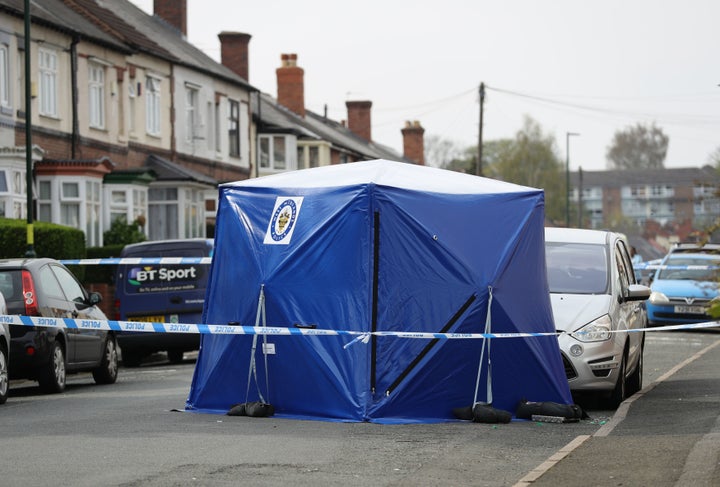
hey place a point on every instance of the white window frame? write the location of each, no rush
(181, 217)
(93, 212)
(152, 105)
(192, 113)
(131, 204)
(216, 127)
(132, 104)
(45, 201)
(118, 204)
(96, 97)
(5, 76)
(69, 202)
(162, 225)
(269, 158)
(234, 128)
(209, 131)
(81, 209)
(48, 73)
(306, 150)
(13, 200)
(194, 212)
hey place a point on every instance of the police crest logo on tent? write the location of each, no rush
(282, 223)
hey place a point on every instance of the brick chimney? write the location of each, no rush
(413, 142)
(359, 118)
(291, 84)
(174, 12)
(234, 52)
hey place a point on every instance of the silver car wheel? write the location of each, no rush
(59, 366)
(107, 371)
(111, 357)
(4, 377)
(52, 375)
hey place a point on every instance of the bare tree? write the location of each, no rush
(638, 147)
(530, 159)
(714, 158)
(441, 152)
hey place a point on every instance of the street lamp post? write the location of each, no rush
(30, 252)
(567, 177)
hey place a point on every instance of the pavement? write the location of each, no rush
(668, 434)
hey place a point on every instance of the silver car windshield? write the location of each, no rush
(575, 268)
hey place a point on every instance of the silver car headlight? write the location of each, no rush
(595, 331)
(656, 297)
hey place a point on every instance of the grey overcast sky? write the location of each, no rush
(590, 67)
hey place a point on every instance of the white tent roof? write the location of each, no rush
(384, 173)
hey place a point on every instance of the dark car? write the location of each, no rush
(4, 352)
(45, 287)
(166, 293)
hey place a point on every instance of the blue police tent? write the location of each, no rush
(381, 247)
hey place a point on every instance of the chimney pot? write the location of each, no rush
(174, 12)
(359, 120)
(291, 84)
(234, 52)
(413, 142)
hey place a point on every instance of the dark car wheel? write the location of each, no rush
(4, 378)
(635, 381)
(52, 375)
(108, 371)
(619, 394)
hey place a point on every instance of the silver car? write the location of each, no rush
(596, 303)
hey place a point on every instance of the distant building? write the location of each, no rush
(650, 201)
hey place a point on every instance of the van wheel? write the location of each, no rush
(107, 372)
(4, 376)
(175, 356)
(52, 375)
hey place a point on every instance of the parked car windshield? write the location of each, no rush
(575, 268)
(709, 270)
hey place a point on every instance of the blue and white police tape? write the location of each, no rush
(139, 260)
(210, 329)
(208, 260)
(645, 266)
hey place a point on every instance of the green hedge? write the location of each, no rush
(51, 240)
(58, 242)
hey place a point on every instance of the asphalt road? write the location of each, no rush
(129, 434)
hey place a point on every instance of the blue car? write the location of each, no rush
(684, 288)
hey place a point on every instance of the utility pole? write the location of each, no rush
(567, 177)
(478, 165)
(580, 197)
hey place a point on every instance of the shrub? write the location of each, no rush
(122, 233)
(50, 240)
